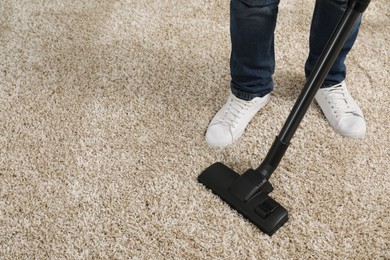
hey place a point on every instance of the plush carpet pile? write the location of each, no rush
(103, 109)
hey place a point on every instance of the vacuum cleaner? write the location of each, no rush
(249, 193)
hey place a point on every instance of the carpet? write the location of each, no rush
(103, 110)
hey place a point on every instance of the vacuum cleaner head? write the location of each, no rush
(249, 199)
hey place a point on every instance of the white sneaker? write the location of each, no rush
(342, 112)
(230, 121)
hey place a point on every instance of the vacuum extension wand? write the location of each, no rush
(248, 193)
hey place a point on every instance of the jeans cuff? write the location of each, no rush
(331, 84)
(249, 96)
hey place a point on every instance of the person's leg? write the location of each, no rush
(327, 13)
(252, 25)
(340, 109)
(252, 63)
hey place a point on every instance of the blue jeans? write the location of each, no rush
(252, 26)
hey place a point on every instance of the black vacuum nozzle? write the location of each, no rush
(256, 206)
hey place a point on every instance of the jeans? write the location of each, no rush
(252, 61)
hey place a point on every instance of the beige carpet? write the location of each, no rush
(103, 109)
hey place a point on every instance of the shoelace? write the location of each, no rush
(234, 112)
(339, 100)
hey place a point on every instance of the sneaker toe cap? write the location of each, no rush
(353, 127)
(218, 135)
